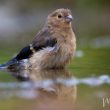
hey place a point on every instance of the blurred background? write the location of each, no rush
(20, 20)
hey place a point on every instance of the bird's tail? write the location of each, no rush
(8, 64)
(2, 66)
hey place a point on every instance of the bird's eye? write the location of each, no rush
(60, 16)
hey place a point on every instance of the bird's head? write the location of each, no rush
(60, 17)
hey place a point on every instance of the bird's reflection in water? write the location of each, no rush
(52, 93)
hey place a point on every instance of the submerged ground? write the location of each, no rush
(88, 62)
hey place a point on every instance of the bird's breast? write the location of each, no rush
(52, 57)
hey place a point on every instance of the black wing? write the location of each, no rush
(24, 53)
(42, 40)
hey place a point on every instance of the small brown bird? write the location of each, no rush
(53, 46)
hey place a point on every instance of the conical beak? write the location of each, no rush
(69, 18)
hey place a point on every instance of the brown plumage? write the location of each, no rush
(53, 46)
(57, 27)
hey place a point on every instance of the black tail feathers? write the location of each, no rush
(9, 64)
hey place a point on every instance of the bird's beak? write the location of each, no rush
(69, 18)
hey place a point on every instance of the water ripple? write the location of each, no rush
(91, 81)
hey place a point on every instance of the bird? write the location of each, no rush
(52, 48)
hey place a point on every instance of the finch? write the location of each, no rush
(53, 46)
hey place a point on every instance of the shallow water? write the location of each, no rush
(54, 90)
(85, 85)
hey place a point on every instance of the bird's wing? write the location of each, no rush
(24, 53)
(42, 40)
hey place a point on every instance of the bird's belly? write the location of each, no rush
(49, 58)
